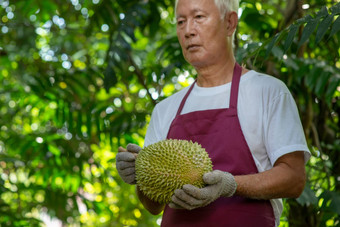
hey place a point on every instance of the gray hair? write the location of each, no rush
(223, 5)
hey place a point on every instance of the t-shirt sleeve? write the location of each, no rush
(153, 133)
(283, 129)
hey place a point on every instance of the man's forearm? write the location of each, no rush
(285, 180)
(153, 207)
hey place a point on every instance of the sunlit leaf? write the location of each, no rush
(77, 81)
(54, 150)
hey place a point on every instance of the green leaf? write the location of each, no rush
(321, 83)
(54, 150)
(155, 19)
(89, 123)
(323, 27)
(97, 120)
(79, 124)
(290, 37)
(335, 27)
(75, 184)
(307, 197)
(300, 21)
(292, 63)
(334, 82)
(277, 52)
(110, 77)
(311, 79)
(331, 201)
(57, 112)
(63, 113)
(7, 159)
(308, 30)
(335, 9)
(271, 45)
(322, 12)
(70, 119)
(335, 205)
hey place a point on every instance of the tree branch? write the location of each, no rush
(141, 78)
(318, 144)
(291, 10)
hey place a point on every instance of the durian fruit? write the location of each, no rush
(165, 166)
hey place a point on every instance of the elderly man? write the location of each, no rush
(248, 123)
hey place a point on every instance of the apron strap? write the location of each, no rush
(185, 99)
(234, 86)
(233, 94)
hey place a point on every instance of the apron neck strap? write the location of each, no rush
(235, 85)
(233, 94)
(185, 99)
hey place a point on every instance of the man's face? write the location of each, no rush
(201, 31)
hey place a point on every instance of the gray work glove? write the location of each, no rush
(218, 184)
(125, 163)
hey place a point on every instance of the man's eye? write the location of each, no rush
(180, 22)
(199, 16)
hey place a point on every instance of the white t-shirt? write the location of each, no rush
(266, 110)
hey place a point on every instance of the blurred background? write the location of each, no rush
(79, 78)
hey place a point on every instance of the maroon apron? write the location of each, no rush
(219, 132)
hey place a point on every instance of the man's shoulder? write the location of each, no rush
(257, 81)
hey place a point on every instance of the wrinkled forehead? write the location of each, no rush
(222, 5)
(208, 1)
(193, 6)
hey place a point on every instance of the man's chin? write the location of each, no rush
(197, 63)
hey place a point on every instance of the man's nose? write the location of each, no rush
(190, 29)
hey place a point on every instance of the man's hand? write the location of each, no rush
(125, 163)
(218, 184)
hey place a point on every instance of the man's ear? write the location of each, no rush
(231, 19)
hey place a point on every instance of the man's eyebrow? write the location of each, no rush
(179, 16)
(197, 10)
(193, 11)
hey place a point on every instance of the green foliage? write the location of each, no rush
(80, 78)
(302, 54)
(322, 19)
